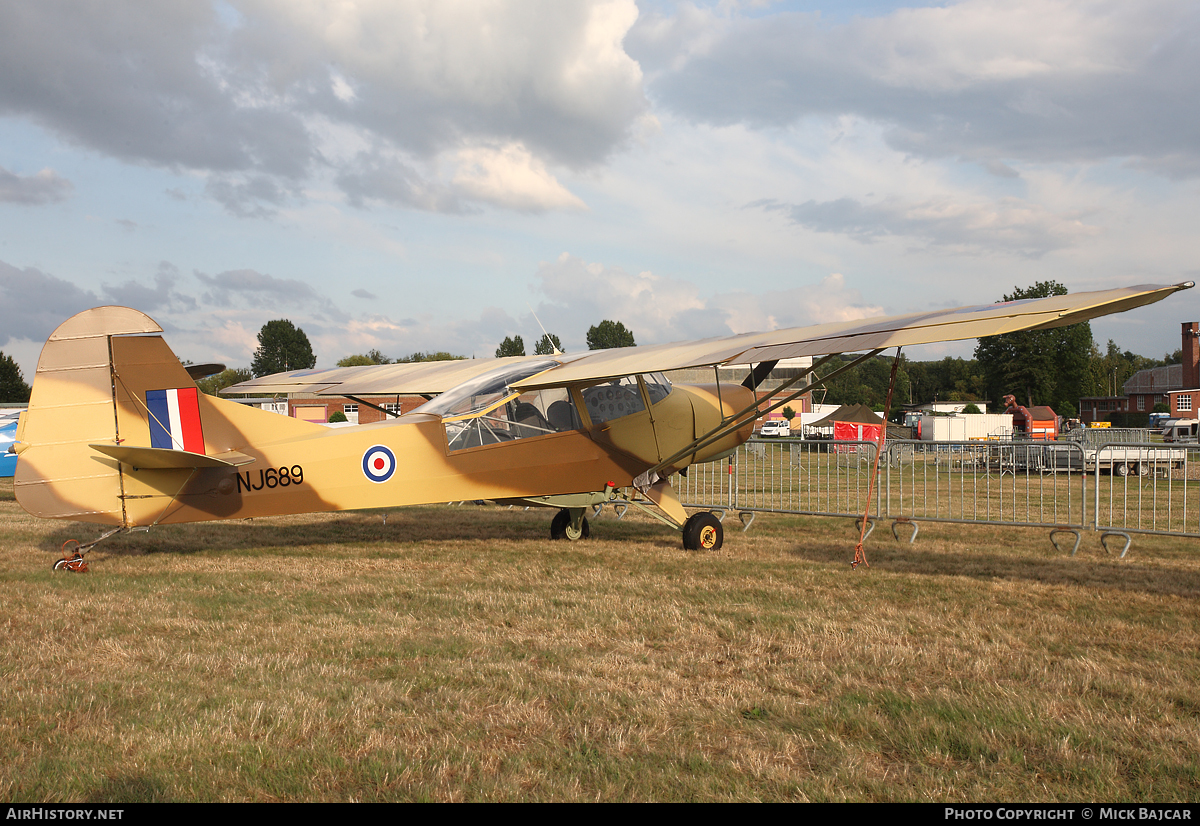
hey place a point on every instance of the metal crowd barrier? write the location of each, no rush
(1115, 488)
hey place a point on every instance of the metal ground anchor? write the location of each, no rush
(1120, 534)
(901, 520)
(747, 518)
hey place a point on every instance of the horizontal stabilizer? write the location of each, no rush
(203, 371)
(165, 458)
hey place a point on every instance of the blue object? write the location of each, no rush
(8, 461)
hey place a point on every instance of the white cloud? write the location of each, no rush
(33, 303)
(45, 187)
(252, 98)
(660, 309)
(1008, 225)
(992, 80)
(511, 177)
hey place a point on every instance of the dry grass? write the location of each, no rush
(458, 654)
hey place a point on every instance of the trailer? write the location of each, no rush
(1180, 430)
(1117, 451)
(962, 427)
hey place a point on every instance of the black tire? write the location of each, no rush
(1122, 469)
(703, 532)
(560, 527)
(60, 564)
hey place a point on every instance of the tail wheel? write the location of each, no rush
(71, 560)
(703, 532)
(560, 527)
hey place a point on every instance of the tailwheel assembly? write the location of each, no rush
(73, 551)
(703, 532)
(72, 559)
(566, 525)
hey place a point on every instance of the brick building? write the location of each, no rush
(1175, 385)
(320, 408)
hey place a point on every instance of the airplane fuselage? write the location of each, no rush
(279, 465)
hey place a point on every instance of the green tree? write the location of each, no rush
(440, 355)
(868, 383)
(547, 344)
(1050, 367)
(282, 346)
(13, 388)
(609, 334)
(213, 385)
(1108, 373)
(511, 346)
(372, 356)
(951, 379)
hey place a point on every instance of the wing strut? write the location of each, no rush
(366, 403)
(740, 418)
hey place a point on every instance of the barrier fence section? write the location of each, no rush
(1149, 489)
(802, 477)
(1007, 483)
(1127, 486)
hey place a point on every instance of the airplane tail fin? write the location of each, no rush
(71, 406)
(118, 434)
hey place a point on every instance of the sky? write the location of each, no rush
(428, 175)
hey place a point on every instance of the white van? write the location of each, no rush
(776, 427)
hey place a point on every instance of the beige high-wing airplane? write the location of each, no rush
(117, 434)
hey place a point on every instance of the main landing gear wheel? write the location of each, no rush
(703, 532)
(560, 527)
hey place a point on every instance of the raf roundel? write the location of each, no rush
(379, 463)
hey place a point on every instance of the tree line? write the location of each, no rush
(606, 335)
(1054, 367)
(282, 347)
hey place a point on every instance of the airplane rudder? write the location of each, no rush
(70, 406)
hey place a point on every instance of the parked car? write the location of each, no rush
(776, 427)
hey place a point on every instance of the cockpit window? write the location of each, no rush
(622, 397)
(613, 399)
(482, 391)
(658, 386)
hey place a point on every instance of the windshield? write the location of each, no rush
(485, 390)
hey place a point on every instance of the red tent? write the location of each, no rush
(853, 423)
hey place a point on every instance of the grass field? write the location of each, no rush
(456, 653)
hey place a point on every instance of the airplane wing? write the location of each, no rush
(434, 377)
(412, 379)
(854, 336)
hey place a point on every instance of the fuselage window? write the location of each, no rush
(525, 416)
